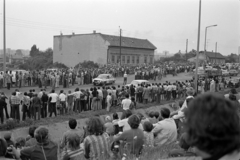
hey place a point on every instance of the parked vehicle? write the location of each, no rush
(104, 79)
(233, 72)
(225, 72)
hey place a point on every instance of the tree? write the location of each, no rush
(34, 51)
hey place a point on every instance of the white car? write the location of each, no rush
(225, 72)
(104, 79)
(137, 82)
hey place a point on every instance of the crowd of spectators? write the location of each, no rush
(211, 132)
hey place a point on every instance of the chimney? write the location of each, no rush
(73, 33)
(61, 33)
(94, 31)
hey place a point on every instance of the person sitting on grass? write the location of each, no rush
(72, 123)
(96, 144)
(3, 150)
(134, 137)
(44, 150)
(73, 150)
(109, 128)
(165, 131)
(115, 123)
(209, 131)
(148, 134)
(32, 140)
(183, 152)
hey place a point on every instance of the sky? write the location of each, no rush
(165, 23)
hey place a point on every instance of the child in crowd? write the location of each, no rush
(148, 135)
(20, 143)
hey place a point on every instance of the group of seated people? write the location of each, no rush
(211, 132)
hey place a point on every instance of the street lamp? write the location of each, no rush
(206, 38)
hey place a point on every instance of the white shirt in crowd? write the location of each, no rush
(54, 97)
(100, 94)
(126, 103)
(62, 97)
(125, 75)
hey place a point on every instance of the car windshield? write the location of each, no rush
(103, 76)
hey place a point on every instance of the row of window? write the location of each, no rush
(127, 60)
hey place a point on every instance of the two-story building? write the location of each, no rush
(102, 49)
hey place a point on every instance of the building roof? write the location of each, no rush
(128, 42)
(214, 55)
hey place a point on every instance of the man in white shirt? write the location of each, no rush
(53, 100)
(125, 78)
(100, 93)
(126, 103)
(62, 98)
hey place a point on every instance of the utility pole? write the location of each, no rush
(4, 37)
(120, 46)
(216, 52)
(198, 41)
(186, 48)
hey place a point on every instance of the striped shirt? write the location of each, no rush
(96, 147)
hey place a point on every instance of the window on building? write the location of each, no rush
(137, 60)
(113, 58)
(118, 59)
(145, 59)
(151, 60)
(123, 59)
(133, 59)
(128, 59)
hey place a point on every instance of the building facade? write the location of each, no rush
(102, 49)
(214, 57)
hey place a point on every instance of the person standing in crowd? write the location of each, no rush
(53, 97)
(44, 100)
(1, 80)
(26, 106)
(70, 102)
(105, 94)
(125, 78)
(36, 105)
(15, 106)
(62, 98)
(95, 100)
(4, 97)
(8, 80)
(2, 104)
(126, 103)
(109, 101)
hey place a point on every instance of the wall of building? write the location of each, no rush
(72, 49)
(130, 55)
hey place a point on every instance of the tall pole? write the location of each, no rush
(186, 48)
(198, 41)
(206, 38)
(120, 46)
(216, 52)
(4, 37)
